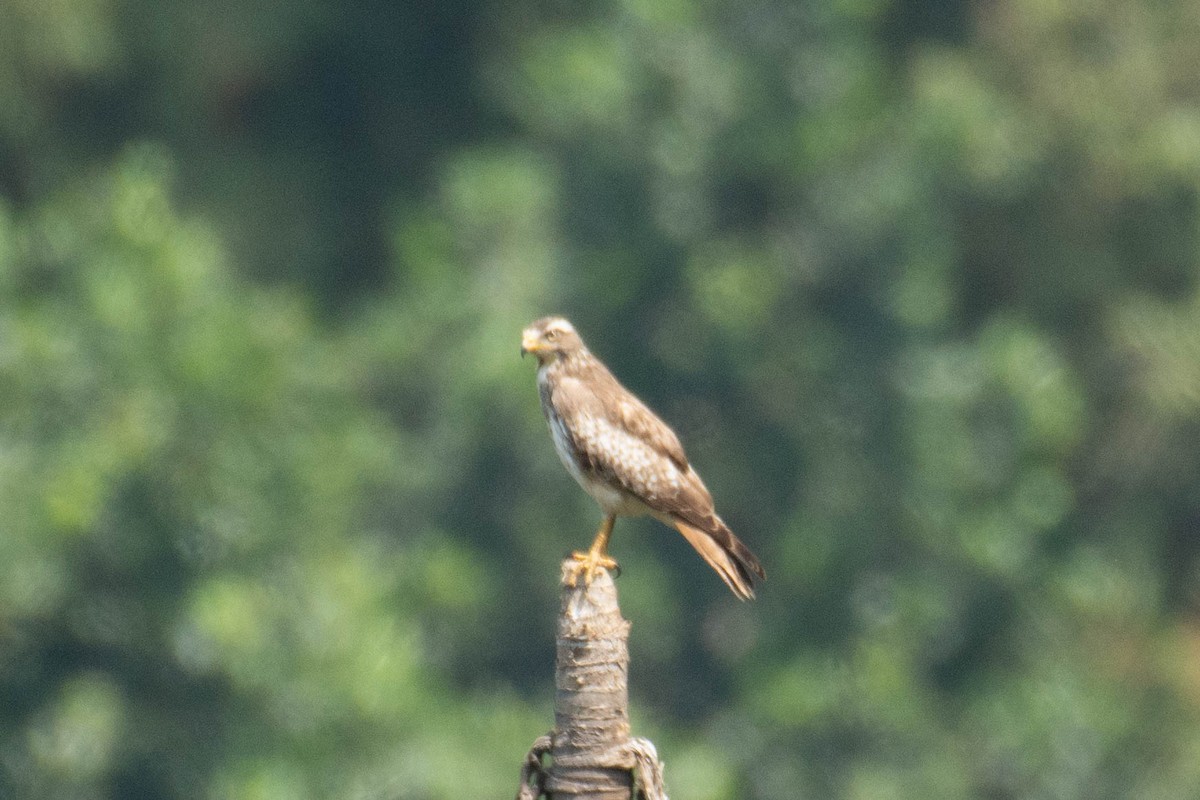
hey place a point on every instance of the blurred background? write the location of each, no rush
(915, 281)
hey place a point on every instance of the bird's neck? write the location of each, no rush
(568, 363)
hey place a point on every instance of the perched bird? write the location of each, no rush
(625, 457)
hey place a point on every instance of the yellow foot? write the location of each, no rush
(588, 565)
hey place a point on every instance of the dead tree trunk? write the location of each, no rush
(592, 755)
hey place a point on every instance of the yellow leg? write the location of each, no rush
(590, 563)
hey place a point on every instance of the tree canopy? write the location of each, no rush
(916, 282)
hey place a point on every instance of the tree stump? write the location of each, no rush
(592, 755)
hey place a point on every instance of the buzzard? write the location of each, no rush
(625, 457)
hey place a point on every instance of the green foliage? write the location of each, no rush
(916, 283)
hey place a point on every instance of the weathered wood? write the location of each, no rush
(591, 697)
(592, 754)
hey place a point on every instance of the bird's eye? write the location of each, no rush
(551, 335)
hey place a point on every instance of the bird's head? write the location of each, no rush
(549, 339)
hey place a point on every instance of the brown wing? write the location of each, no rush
(637, 418)
(620, 440)
(622, 408)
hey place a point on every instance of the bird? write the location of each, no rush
(626, 458)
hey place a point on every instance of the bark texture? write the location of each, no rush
(592, 754)
(591, 697)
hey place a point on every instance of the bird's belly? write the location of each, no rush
(611, 499)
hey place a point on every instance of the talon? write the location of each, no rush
(588, 565)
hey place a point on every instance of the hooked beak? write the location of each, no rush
(529, 343)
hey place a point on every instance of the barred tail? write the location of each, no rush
(726, 554)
